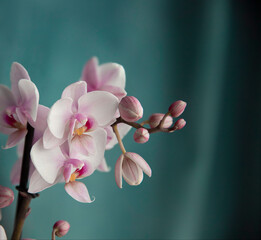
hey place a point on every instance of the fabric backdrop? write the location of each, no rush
(206, 177)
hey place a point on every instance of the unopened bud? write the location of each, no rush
(130, 109)
(155, 119)
(141, 135)
(6, 196)
(180, 124)
(177, 108)
(61, 228)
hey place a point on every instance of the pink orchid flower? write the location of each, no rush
(18, 105)
(108, 77)
(58, 165)
(76, 115)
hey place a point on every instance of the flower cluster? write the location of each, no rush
(67, 142)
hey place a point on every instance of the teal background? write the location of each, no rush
(206, 177)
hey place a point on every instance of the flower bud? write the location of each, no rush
(155, 119)
(6, 196)
(130, 109)
(177, 108)
(141, 135)
(61, 228)
(180, 124)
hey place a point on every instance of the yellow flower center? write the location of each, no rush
(73, 176)
(80, 131)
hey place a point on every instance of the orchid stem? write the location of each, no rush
(24, 198)
(158, 128)
(115, 129)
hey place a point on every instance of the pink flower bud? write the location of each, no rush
(61, 228)
(177, 108)
(130, 109)
(180, 124)
(141, 135)
(6, 196)
(155, 119)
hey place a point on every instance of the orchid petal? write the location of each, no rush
(47, 161)
(118, 171)
(82, 145)
(59, 116)
(38, 184)
(99, 137)
(78, 191)
(116, 91)
(131, 172)
(15, 137)
(75, 91)
(112, 74)
(90, 74)
(136, 158)
(6, 98)
(67, 171)
(29, 97)
(86, 170)
(17, 73)
(2, 231)
(103, 167)
(21, 116)
(50, 141)
(100, 105)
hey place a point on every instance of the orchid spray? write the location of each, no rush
(67, 142)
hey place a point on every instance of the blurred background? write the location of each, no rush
(206, 177)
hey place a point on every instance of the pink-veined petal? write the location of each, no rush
(59, 116)
(17, 73)
(139, 161)
(78, 191)
(38, 184)
(99, 137)
(50, 141)
(116, 91)
(118, 171)
(112, 74)
(131, 172)
(47, 161)
(75, 91)
(6, 98)
(83, 145)
(90, 74)
(100, 105)
(103, 167)
(2, 231)
(15, 137)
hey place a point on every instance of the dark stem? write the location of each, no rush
(159, 128)
(24, 198)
